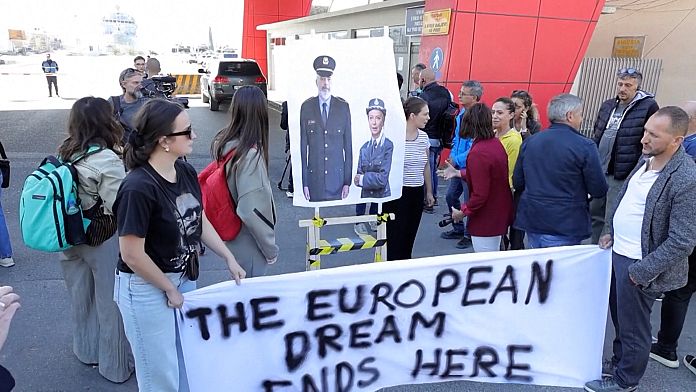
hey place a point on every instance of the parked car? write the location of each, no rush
(221, 78)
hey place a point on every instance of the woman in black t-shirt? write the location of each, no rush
(161, 223)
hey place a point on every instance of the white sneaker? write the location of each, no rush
(288, 194)
(7, 262)
(373, 226)
(359, 229)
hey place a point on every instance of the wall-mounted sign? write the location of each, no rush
(436, 22)
(16, 34)
(631, 47)
(414, 20)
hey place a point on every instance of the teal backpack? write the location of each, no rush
(50, 216)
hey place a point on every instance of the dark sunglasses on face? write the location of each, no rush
(186, 132)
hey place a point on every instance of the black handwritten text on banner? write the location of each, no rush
(526, 317)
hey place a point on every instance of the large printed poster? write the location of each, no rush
(346, 121)
(531, 317)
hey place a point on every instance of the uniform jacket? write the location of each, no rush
(489, 208)
(250, 187)
(627, 147)
(375, 165)
(555, 172)
(49, 67)
(326, 152)
(669, 226)
(100, 175)
(438, 98)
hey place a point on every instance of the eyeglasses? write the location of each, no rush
(186, 132)
(629, 71)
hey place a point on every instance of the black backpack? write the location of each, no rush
(448, 122)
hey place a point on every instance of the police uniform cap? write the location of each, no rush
(324, 65)
(376, 104)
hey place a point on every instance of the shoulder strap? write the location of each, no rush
(2, 151)
(116, 103)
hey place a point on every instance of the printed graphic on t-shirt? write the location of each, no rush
(190, 210)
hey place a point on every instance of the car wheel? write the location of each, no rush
(214, 105)
(204, 97)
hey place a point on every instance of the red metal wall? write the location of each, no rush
(535, 45)
(258, 12)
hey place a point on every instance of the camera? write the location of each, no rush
(162, 87)
(445, 222)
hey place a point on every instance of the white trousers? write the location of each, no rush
(486, 244)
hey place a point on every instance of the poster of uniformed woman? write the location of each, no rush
(346, 122)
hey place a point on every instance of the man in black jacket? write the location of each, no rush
(438, 99)
(617, 132)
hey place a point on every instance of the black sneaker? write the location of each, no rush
(451, 235)
(429, 210)
(667, 358)
(690, 363)
(464, 243)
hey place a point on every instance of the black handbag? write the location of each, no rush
(4, 167)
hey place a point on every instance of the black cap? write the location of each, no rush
(324, 65)
(376, 104)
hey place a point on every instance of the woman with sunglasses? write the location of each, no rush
(526, 115)
(98, 338)
(247, 179)
(161, 223)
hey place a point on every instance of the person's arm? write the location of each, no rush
(379, 179)
(593, 175)
(429, 199)
(212, 240)
(518, 174)
(654, 107)
(680, 242)
(132, 250)
(462, 153)
(112, 175)
(348, 155)
(284, 116)
(10, 305)
(255, 201)
(304, 143)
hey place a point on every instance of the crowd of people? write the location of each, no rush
(630, 188)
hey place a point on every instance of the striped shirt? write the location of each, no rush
(415, 158)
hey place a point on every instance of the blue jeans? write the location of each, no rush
(434, 158)
(536, 240)
(360, 209)
(457, 193)
(151, 330)
(5, 245)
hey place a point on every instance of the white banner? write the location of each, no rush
(533, 317)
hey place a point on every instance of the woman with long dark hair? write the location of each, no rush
(246, 138)
(526, 120)
(489, 208)
(401, 232)
(93, 143)
(161, 223)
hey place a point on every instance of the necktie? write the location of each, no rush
(324, 114)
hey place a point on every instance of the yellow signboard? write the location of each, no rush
(16, 34)
(628, 47)
(436, 22)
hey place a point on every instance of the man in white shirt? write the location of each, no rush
(653, 233)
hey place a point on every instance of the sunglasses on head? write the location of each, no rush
(628, 71)
(186, 132)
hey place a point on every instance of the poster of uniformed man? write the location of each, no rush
(345, 120)
(325, 139)
(375, 157)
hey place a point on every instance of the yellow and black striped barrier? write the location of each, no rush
(346, 245)
(187, 84)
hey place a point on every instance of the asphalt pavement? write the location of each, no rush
(38, 351)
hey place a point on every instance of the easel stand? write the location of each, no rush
(316, 247)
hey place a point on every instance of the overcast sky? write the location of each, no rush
(161, 24)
